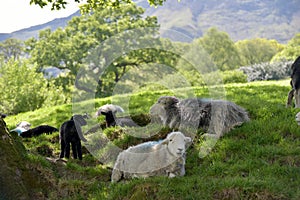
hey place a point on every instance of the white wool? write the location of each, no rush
(109, 107)
(24, 125)
(166, 158)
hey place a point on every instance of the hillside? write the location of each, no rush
(242, 19)
(258, 160)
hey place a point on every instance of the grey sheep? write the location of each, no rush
(215, 116)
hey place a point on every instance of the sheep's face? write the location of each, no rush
(167, 101)
(109, 107)
(177, 143)
(79, 119)
(25, 125)
(158, 110)
(161, 106)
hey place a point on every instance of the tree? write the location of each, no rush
(68, 48)
(221, 49)
(89, 4)
(11, 49)
(291, 51)
(259, 50)
(23, 89)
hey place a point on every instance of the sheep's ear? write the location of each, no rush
(165, 141)
(187, 139)
(174, 100)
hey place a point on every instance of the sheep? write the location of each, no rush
(109, 111)
(70, 132)
(38, 131)
(21, 127)
(215, 116)
(295, 83)
(155, 158)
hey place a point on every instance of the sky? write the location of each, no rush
(19, 14)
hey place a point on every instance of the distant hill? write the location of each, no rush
(241, 19)
(33, 31)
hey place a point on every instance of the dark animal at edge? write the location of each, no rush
(295, 83)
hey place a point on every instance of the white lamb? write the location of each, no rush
(162, 158)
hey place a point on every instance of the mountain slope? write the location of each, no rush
(33, 31)
(189, 19)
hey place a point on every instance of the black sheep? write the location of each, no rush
(112, 120)
(38, 131)
(109, 111)
(295, 83)
(71, 133)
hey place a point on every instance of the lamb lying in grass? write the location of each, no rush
(21, 127)
(38, 131)
(215, 116)
(109, 111)
(162, 158)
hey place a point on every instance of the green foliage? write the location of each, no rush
(11, 49)
(23, 89)
(291, 51)
(259, 50)
(89, 4)
(221, 49)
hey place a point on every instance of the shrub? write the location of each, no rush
(23, 89)
(267, 71)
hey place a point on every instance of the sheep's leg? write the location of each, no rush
(290, 97)
(62, 148)
(74, 149)
(79, 150)
(67, 149)
(297, 98)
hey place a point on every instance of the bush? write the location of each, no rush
(267, 71)
(23, 89)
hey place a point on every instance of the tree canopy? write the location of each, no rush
(89, 4)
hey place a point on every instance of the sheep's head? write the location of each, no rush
(107, 108)
(80, 119)
(176, 143)
(23, 124)
(161, 107)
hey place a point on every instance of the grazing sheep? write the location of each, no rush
(295, 83)
(38, 131)
(71, 133)
(162, 158)
(109, 111)
(215, 116)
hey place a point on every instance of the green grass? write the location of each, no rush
(259, 160)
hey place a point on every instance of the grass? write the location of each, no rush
(259, 160)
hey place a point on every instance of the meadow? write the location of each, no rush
(258, 160)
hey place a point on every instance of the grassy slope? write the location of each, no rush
(259, 160)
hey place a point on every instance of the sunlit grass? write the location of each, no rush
(259, 160)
